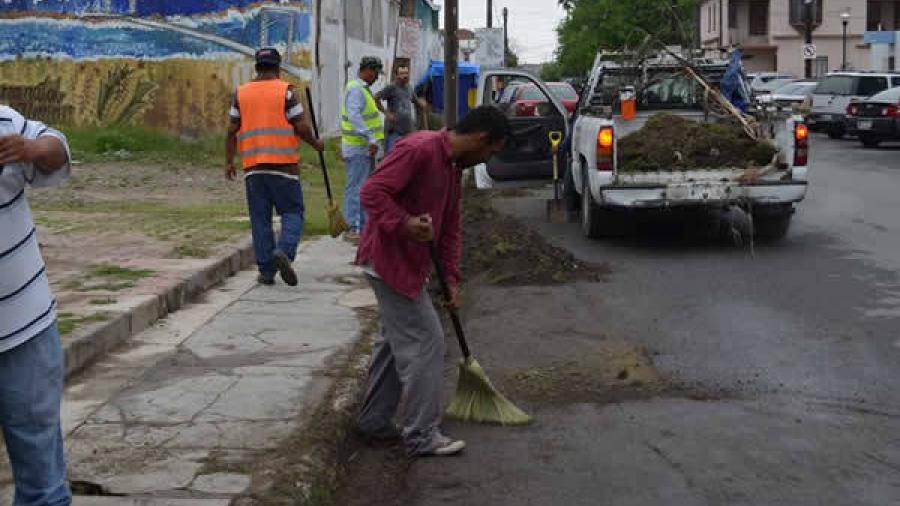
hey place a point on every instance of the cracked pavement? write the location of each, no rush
(183, 405)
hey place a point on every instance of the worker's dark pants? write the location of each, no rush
(407, 362)
(266, 192)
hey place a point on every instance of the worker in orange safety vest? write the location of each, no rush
(266, 127)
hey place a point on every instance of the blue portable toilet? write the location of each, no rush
(468, 85)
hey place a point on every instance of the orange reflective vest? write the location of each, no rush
(265, 136)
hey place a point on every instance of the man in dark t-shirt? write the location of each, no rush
(400, 99)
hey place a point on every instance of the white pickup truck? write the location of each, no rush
(603, 191)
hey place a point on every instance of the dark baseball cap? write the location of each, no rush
(371, 62)
(268, 56)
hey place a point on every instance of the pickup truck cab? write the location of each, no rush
(603, 191)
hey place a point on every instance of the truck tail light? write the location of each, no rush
(801, 144)
(605, 147)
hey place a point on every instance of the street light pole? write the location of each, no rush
(505, 37)
(451, 70)
(845, 19)
(490, 13)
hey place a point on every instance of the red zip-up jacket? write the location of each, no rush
(418, 177)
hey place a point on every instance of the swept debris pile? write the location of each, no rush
(507, 253)
(670, 142)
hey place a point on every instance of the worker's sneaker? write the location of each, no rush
(445, 447)
(283, 264)
(265, 279)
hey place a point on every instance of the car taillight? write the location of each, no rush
(801, 144)
(605, 147)
(852, 110)
(892, 111)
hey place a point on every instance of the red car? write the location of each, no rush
(528, 97)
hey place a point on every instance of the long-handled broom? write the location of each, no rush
(476, 399)
(337, 225)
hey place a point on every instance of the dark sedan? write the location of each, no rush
(876, 119)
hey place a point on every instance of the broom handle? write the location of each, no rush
(457, 325)
(312, 117)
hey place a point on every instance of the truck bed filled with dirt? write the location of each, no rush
(668, 142)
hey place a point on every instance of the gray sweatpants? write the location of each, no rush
(407, 362)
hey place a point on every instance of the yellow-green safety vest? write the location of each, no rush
(371, 117)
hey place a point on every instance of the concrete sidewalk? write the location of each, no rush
(187, 407)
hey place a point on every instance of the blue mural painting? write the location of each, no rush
(79, 39)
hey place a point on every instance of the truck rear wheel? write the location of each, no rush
(771, 223)
(596, 221)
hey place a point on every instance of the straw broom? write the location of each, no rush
(476, 399)
(337, 225)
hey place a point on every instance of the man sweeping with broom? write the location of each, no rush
(413, 201)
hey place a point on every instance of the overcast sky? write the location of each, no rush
(532, 24)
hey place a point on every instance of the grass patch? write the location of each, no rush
(111, 271)
(108, 278)
(138, 143)
(68, 322)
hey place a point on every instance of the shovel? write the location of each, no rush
(337, 225)
(556, 212)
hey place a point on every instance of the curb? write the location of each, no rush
(86, 347)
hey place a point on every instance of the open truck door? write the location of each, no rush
(534, 113)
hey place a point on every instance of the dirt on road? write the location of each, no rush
(500, 251)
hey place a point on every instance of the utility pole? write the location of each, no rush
(451, 54)
(490, 13)
(505, 37)
(808, 16)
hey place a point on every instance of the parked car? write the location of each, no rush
(566, 94)
(759, 80)
(876, 119)
(835, 92)
(529, 100)
(794, 93)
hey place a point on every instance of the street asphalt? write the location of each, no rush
(774, 374)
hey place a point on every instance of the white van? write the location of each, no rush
(834, 93)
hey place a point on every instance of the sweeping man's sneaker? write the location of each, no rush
(387, 434)
(283, 264)
(446, 447)
(265, 279)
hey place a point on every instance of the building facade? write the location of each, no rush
(772, 33)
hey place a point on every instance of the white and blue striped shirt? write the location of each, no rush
(27, 307)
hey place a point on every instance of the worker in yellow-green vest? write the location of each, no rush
(362, 133)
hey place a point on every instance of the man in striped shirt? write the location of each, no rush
(31, 357)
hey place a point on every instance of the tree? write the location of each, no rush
(616, 24)
(567, 5)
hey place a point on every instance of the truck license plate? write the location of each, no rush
(698, 191)
(864, 124)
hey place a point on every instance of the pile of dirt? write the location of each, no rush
(505, 252)
(670, 142)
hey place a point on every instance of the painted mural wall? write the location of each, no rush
(157, 63)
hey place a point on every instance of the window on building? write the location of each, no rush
(798, 12)
(377, 31)
(759, 18)
(733, 15)
(873, 16)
